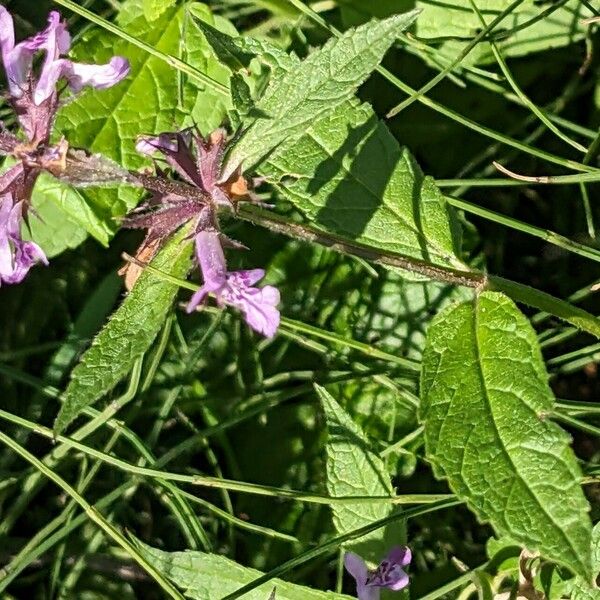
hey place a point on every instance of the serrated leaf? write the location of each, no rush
(109, 121)
(349, 175)
(225, 47)
(128, 334)
(353, 469)
(209, 576)
(485, 405)
(582, 590)
(326, 79)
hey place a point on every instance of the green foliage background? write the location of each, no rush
(406, 398)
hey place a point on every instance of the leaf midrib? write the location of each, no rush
(488, 404)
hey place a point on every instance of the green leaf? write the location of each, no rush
(209, 576)
(349, 176)
(485, 405)
(532, 33)
(456, 18)
(356, 12)
(326, 79)
(581, 588)
(128, 334)
(154, 8)
(153, 98)
(62, 219)
(353, 469)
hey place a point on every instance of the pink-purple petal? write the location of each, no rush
(400, 555)
(400, 583)
(356, 566)
(17, 256)
(80, 75)
(258, 305)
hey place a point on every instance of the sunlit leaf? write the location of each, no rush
(353, 469)
(209, 576)
(486, 407)
(323, 81)
(128, 334)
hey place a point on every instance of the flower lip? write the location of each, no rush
(388, 574)
(235, 288)
(55, 41)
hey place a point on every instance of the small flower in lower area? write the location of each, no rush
(34, 97)
(196, 199)
(389, 573)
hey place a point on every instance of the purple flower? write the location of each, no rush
(235, 288)
(36, 101)
(199, 162)
(389, 574)
(196, 199)
(16, 255)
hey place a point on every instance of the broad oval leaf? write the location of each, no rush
(486, 406)
(353, 469)
(209, 576)
(62, 219)
(326, 79)
(128, 334)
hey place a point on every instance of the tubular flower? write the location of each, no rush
(389, 573)
(236, 288)
(16, 255)
(35, 100)
(198, 162)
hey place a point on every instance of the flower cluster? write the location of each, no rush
(35, 100)
(389, 574)
(198, 162)
(197, 196)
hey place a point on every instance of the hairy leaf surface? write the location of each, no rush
(582, 590)
(128, 334)
(486, 406)
(326, 79)
(209, 576)
(348, 174)
(353, 469)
